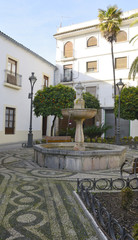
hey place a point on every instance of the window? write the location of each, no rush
(46, 81)
(121, 36)
(68, 50)
(9, 120)
(121, 63)
(92, 41)
(91, 90)
(12, 71)
(67, 73)
(92, 66)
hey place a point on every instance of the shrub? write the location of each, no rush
(94, 131)
(43, 141)
(67, 132)
(135, 231)
(126, 197)
(136, 139)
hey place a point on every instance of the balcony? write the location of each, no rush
(13, 79)
(67, 77)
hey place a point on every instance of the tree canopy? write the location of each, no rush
(51, 100)
(91, 101)
(128, 103)
(110, 22)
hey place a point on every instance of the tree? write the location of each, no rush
(110, 22)
(128, 103)
(91, 101)
(134, 66)
(51, 100)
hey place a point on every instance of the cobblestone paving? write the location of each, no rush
(38, 203)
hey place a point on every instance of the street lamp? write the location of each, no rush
(120, 86)
(30, 135)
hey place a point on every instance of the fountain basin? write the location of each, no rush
(62, 156)
(77, 114)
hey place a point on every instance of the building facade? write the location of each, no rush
(83, 55)
(16, 66)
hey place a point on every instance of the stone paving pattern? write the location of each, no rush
(38, 203)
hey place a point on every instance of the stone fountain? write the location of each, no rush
(79, 113)
(78, 155)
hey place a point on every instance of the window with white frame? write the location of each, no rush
(91, 66)
(121, 63)
(68, 50)
(92, 41)
(121, 36)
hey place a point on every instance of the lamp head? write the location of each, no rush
(120, 85)
(32, 79)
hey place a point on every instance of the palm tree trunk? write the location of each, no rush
(113, 64)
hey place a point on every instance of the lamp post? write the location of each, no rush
(120, 86)
(30, 135)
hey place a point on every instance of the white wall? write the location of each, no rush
(103, 78)
(18, 99)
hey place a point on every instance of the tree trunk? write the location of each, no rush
(113, 64)
(52, 127)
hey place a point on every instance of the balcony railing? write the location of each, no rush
(67, 78)
(13, 78)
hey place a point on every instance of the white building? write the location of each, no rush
(16, 66)
(82, 54)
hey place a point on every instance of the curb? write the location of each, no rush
(97, 229)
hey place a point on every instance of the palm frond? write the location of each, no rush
(134, 22)
(135, 15)
(136, 36)
(110, 21)
(133, 69)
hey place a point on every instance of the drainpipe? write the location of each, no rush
(55, 75)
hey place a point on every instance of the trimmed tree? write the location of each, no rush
(128, 103)
(51, 100)
(91, 101)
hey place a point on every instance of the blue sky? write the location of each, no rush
(34, 22)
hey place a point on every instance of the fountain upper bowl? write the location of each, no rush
(77, 114)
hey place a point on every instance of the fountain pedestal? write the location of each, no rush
(79, 136)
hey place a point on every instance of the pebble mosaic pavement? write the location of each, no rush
(37, 203)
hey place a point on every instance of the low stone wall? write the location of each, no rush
(60, 156)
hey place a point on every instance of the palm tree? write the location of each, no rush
(110, 22)
(134, 66)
